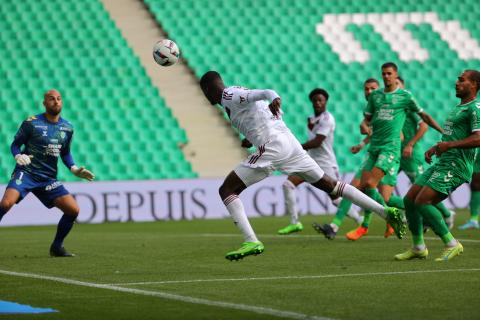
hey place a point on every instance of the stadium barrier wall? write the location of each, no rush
(162, 200)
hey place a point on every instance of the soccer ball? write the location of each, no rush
(166, 53)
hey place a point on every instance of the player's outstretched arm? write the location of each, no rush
(314, 143)
(430, 121)
(82, 173)
(472, 141)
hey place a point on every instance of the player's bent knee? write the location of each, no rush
(6, 205)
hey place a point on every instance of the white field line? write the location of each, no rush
(169, 296)
(313, 236)
(322, 276)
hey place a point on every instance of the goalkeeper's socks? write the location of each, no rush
(2, 213)
(64, 226)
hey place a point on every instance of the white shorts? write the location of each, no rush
(283, 153)
(330, 171)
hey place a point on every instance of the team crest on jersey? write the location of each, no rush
(62, 134)
(395, 99)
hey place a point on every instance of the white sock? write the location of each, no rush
(334, 227)
(419, 247)
(290, 198)
(357, 197)
(452, 243)
(235, 208)
(355, 215)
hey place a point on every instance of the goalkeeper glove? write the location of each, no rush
(23, 159)
(82, 173)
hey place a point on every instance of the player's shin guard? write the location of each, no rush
(64, 226)
(415, 222)
(235, 208)
(351, 193)
(435, 219)
(396, 201)
(475, 205)
(290, 198)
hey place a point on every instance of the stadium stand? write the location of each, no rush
(286, 52)
(124, 129)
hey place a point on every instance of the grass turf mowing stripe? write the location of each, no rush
(314, 236)
(299, 277)
(164, 295)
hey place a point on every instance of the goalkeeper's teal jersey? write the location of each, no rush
(388, 111)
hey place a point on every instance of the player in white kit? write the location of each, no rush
(257, 115)
(321, 130)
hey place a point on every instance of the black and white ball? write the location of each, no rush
(166, 52)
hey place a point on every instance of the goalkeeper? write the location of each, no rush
(45, 138)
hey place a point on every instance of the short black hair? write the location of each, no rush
(390, 65)
(316, 91)
(209, 77)
(371, 80)
(474, 75)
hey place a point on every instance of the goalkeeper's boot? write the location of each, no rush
(471, 224)
(356, 234)
(59, 252)
(388, 231)
(291, 228)
(394, 218)
(451, 252)
(325, 229)
(248, 248)
(412, 254)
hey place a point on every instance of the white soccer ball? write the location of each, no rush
(166, 53)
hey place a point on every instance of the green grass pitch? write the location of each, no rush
(177, 270)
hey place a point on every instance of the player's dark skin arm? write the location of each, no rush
(314, 143)
(472, 141)
(430, 121)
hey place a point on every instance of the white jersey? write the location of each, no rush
(323, 125)
(249, 113)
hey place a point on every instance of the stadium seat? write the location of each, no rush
(75, 47)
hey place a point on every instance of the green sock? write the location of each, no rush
(342, 211)
(396, 201)
(372, 193)
(415, 221)
(475, 205)
(367, 217)
(443, 210)
(447, 238)
(375, 195)
(434, 218)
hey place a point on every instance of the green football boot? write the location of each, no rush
(412, 254)
(395, 220)
(248, 248)
(297, 227)
(450, 253)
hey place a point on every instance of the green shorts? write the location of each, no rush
(386, 160)
(441, 178)
(413, 167)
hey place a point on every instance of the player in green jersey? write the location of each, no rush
(455, 160)
(386, 112)
(472, 223)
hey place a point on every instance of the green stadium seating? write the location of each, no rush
(273, 44)
(123, 128)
